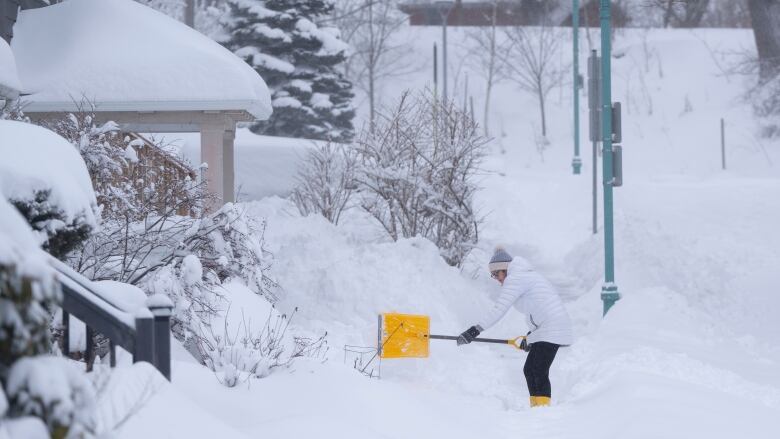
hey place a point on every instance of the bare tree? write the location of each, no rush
(681, 13)
(484, 57)
(765, 15)
(371, 28)
(532, 60)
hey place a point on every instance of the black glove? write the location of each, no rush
(469, 335)
(524, 345)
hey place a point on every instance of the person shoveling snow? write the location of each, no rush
(533, 295)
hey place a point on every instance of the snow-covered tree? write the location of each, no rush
(300, 63)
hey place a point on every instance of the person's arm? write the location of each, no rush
(510, 292)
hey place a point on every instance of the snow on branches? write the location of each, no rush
(413, 172)
(416, 173)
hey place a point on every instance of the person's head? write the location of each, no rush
(499, 264)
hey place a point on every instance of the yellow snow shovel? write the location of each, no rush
(408, 336)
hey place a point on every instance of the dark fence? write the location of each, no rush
(145, 332)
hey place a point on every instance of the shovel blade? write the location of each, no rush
(404, 335)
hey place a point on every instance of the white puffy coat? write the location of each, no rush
(534, 296)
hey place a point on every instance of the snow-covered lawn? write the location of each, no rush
(691, 350)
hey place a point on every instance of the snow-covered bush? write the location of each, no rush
(46, 179)
(186, 259)
(36, 386)
(238, 348)
(416, 173)
(104, 152)
(325, 182)
(49, 388)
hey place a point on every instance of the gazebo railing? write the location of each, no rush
(145, 333)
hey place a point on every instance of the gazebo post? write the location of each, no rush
(228, 164)
(212, 152)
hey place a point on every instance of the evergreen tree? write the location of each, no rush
(299, 62)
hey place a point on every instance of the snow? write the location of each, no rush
(158, 301)
(64, 173)
(126, 297)
(265, 60)
(153, 408)
(54, 388)
(321, 100)
(9, 79)
(329, 37)
(301, 85)
(18, 242)
(27, 427)
(690, 350)
(125, 56)
(191, 270)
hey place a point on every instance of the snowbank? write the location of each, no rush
(136, 401)
(36, 159)
(126, 56)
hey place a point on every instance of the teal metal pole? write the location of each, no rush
(576, 162)
(609, 291)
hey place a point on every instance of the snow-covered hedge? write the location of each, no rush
(46, 179)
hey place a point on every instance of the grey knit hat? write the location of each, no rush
(500, 260)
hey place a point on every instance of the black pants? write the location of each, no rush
(537, 368)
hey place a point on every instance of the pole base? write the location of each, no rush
(576, 165)
(609, 295)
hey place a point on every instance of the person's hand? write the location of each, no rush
(524, 345)
(469, 335)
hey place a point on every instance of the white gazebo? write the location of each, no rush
(142, 69)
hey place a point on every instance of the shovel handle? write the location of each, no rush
(514, 341)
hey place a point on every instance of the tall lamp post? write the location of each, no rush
(576, 162)
(444, 8)
(609, 291)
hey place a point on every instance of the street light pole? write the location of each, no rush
(609, 291)
(576, 162)
(444, 8)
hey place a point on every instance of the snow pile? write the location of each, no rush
(136, 401)
(92, 49)
(9, 79)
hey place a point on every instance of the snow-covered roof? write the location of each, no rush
(9, 80)
(124, 56)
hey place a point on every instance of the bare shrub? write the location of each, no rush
(533, 62)
(236, 354)
(325, 182)
(415, 173)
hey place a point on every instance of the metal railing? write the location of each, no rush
(144, 332)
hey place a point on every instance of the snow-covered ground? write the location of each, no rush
(691, 350)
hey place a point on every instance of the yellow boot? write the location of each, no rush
(533, 401)
(542, 401)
